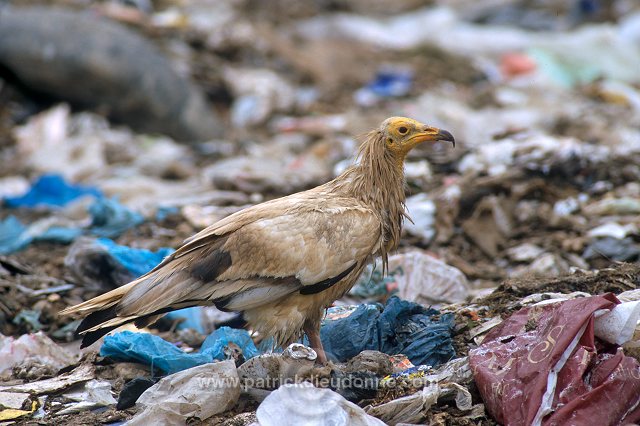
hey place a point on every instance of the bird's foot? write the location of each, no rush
(313, 333)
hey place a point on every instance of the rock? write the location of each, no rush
(271, 370)
(15, 400)
(242, 419)
(373, 361)
(97, 64)
(524, 252)
(546, 265)
(355, 386)
(130, 370)
(622, 250)
(132, 391)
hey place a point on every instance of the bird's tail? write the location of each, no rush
(179, 282)
(101, 314)
(142, 302)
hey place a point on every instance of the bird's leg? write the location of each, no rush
(313, 333)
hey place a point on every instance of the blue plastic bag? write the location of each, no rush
(109, 218)
(137, 261)
(15, 236)
(52, 191)
(191, 318)
(159, 354)
(402, 327)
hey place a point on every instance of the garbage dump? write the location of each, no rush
(513, 297)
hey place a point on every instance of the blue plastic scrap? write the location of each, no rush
(391, 82)
(219, 339)
(52, 191)
(58, 234)
(30, 319)
(12, 235)
(140, 261)
(424, 335)
(15, 236)
(137, 261)
(165, 211)
(191, 318)
(388, 83)
(109, 218)
(159, 354)
(375, 286)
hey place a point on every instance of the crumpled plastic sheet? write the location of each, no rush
(414, 276)
(102, 264)
(402, 327)
(15, 236)
(200, 392)
(304, 404)
(12, 235)
(108, 219)
(195, 318)
(32, 348)
(82, 373)
(158, 353)
(413, 408)
(422, 211)
(427, 280)
(51, 190)
(135, 260)
(94, 394)
(544, 366)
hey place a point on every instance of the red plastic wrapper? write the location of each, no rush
(544, 366)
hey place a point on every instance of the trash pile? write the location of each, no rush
(513, 299)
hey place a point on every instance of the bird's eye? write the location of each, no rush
(403, 130)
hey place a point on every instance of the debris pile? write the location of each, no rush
(127, 127)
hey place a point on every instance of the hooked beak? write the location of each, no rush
(433, 134)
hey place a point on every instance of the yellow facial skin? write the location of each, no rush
(402, 134)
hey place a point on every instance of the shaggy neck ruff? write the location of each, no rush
(378, 180)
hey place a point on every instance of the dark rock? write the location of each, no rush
(372, 361)
(625, 250)
(132, 391)
(355, 386)
(98, 64)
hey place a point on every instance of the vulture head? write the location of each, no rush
(400, 135)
